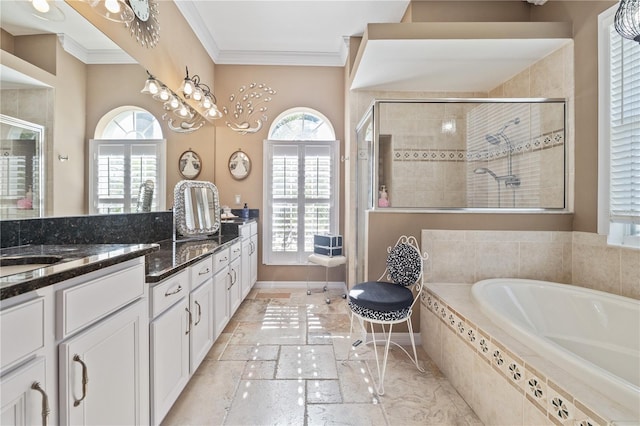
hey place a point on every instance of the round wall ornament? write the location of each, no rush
(189, 164)
(145, 26)
(239, 165)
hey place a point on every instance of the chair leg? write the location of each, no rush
(381, 374)
(413, 345)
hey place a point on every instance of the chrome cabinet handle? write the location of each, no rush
(230, 281)
(224, 259)
(206, 271)
(178, 290)
(189, 320)
(85, 380)
(235, 276)
(199, 313)
(45, 402)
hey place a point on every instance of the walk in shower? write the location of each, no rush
(462, 154)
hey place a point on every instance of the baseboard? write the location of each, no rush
(313, 285)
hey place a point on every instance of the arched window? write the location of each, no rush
(128, 151)
(301, 166)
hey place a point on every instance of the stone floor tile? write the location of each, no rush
(323, 392)
(268, 402)
(345, 414)
(306, 362)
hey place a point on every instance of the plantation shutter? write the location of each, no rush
(119, 167)
(301, 193)
(625, 130)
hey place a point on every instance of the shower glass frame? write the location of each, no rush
(377, 116)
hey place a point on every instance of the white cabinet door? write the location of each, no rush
(235, 286)
(22, 402)
(202, 329)
(169, 358)
(220, 305)
(254, 260)
(245, 273)
(104, 371)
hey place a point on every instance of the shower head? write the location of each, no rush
(494, 139)
(484, 170)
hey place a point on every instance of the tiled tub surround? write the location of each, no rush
(578, 258)
(503, 380)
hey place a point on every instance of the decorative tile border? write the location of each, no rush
(548, 397)
(544, 141)
(429, 155)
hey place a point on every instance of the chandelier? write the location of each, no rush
(180, 116)
(627, 19)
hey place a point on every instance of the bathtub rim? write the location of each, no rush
(610, 381)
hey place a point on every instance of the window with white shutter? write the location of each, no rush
(619, 138)
(301, 185)
(128, 153)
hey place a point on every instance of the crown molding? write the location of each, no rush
(196, 22)
(94, 57)
(293, 58)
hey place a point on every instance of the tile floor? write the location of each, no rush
(286, 359)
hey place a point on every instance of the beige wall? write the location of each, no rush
(319, 88)
(118, 85)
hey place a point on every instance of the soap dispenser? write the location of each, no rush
(245, 211)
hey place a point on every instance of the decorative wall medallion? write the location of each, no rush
(189, 165)
(249, 100)
(145, 26)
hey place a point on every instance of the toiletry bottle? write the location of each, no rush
(245, 211)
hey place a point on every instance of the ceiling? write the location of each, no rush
(311, 33)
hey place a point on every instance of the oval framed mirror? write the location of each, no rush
(239, 165)
(189, 164)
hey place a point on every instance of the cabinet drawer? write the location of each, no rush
(85, 303)
(220, 260)
(236, 251)
(254, 228)
(201, 271)
(22, 329)
(168, 292)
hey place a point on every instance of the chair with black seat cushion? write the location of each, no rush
(390, 299)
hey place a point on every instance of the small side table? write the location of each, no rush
(327, 262)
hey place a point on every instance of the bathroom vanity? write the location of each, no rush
(112, 333)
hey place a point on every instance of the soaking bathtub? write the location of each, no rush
(593, 335)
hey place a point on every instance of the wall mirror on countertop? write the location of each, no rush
(463, 154)
(196, 209)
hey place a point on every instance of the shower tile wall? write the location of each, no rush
(550, 77)
(423, 152)
(578, 258)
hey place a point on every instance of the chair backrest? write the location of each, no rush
(404, 262)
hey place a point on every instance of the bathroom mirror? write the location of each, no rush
(196, 209)
(21, 169)
(464, 154)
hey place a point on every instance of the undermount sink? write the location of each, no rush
(10, 265)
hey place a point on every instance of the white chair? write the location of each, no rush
(390, 301)
(327, 262)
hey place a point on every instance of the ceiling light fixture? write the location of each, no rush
(250, 99)
(185, 119)
(627, 19)
(45, 10)
(113, 10)
(193, 88)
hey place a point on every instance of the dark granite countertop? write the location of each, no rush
(77, 259)
(174, 256)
